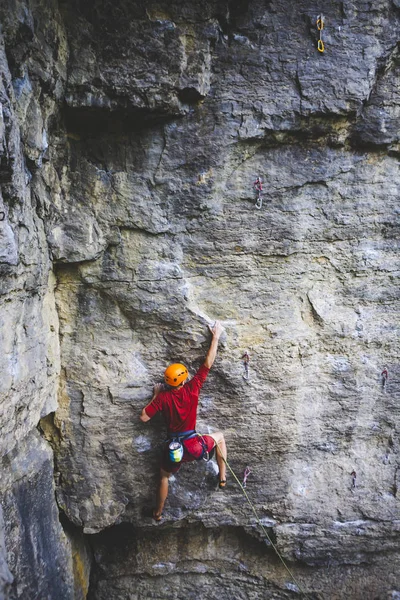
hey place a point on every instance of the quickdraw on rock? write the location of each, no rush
(320, 26)
(257, 185)
(246, 361)
(384, 378)
(2, 215)
(245, 476)
(353, 479)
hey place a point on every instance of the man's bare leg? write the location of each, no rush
(218, 436)
(162, 494)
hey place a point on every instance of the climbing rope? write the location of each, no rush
(320, 26)
(242, 487)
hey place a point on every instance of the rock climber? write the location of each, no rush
(178, 403)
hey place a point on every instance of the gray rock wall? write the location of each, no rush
(219, 563)
(132, 134)
(38, 551)
(29, 359)
(36, 556)
(5, 575)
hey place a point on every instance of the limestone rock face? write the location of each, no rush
(5, 575)
(131, 133)
(36, 556)
(29, 359)
(378, 124)
(38, 550)
(217, 563)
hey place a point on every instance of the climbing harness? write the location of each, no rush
(257, 185)
(2, 215)
(353, 479)
(262, 526)
(245, 476)
(320, 26)
(176, 449)
(246, 361)
(385, 377)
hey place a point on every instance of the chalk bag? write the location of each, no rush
(175, 452)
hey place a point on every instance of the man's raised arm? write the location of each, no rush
(212, 353)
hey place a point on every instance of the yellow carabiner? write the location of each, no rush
(320, 23)
(321, 46)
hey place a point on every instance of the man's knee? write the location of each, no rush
(164, 474)
(218, 436)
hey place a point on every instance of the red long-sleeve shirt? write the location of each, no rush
(179, 407)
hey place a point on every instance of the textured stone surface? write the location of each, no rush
(5, 575)
(130, 136)
(219, 563)
(37, 549)
(378, 125)
(29, 360)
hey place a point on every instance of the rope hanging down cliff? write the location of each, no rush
(265, 532)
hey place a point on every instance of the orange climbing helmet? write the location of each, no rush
(175, 374)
